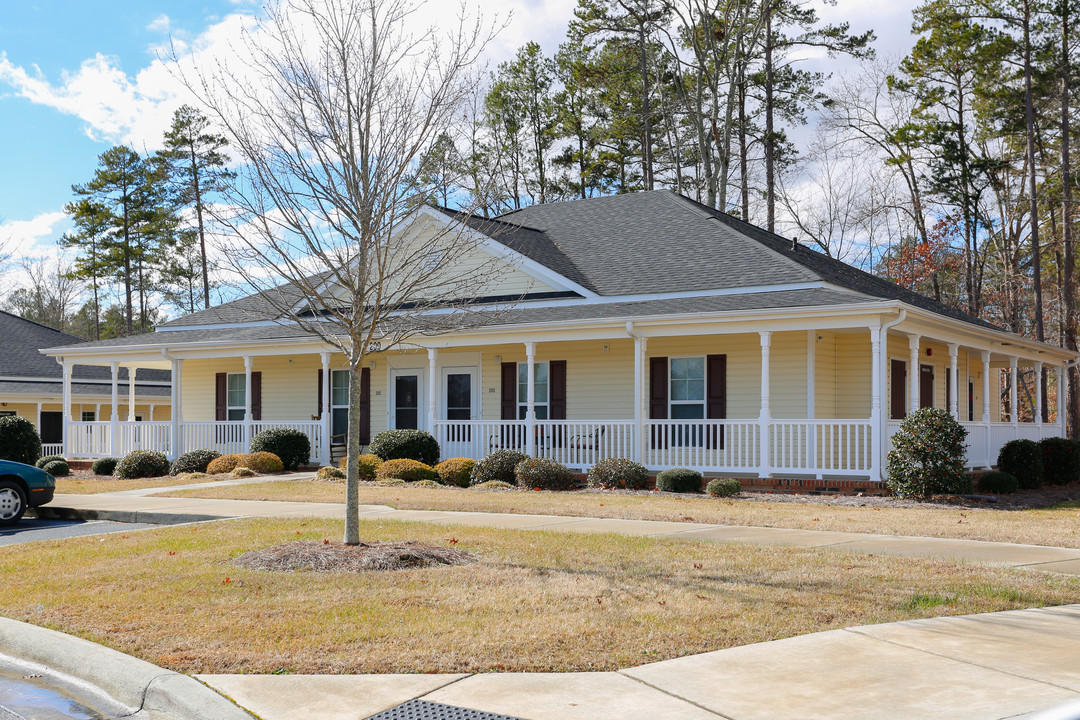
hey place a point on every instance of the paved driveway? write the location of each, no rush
(32, 529)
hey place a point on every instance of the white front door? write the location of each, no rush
(459, 401)
(407, 407)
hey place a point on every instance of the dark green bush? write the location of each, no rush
(42, 462)
(292, 446)
(417, 445)
(57, 468)
(544, 474)
(1023, 460)
(1061, 461)
(19, 441)
(928, 456)
(996, 481)
(679, 480)
(498, 465)
(619, 474)
(194, 461)
(142, 464)
(104, 466)
(723, 487)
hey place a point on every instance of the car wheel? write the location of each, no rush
(12, 503)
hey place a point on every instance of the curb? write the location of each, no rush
(51, 512)
(145, 690)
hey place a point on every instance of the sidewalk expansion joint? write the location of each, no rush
(686, 700)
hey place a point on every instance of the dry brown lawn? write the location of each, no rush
(534, 601)
(93, 484)
(1058, 526)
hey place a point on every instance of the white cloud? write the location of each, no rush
(161, 24)
(25, 238)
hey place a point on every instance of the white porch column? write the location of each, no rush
(766, 344)
(131, 393)
(114, 430)
(986, 406)
(324, 411)
(432, 355)
(641, 409)
(177, 429)
(1014, 415)
(1038, 396)
(530, 399)
(913, 373)
(877, 428)
(248, 360)
(954, 406)
(151, 413)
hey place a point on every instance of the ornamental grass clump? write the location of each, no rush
(224, 464)
(291, 446)
(619, 474)
(19, 441)
(544, 474)
(262, 462)
(928, 456)
(1023, 460)
(456, 471)
(407, 470)
(498, 465)
(330, 474)
(195, 461)
(1061, 461)
(367, 465)
(679, 480)
(142, 464)
(418, 445)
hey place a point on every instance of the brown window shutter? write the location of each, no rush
(716, 397)
(256, 396)
(557, 389)
(658, 388)
(221, 397)
(365, 406)
(898, 405)
(509, 391)
(318, 408)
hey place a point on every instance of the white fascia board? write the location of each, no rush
(1002, 342)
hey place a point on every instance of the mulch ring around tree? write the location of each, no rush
(327, 556)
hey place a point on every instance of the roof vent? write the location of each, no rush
(794, 244)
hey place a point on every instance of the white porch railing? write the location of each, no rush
(983, 446)
(143, 436)
(48, 449)
(313, 430)
(89, 439)
(715, 445)
(832, 447)
(224, 436)
(476, 438)
(575, 443)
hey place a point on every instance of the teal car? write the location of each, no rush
(22, 486)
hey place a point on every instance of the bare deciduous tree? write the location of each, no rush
(330, 109)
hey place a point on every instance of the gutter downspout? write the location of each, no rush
(639, 392)
(882, 424)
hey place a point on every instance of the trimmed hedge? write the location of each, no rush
(57, 468)
(928, 456)
(723, 487)
(1061, 461)
(456, 471)
(679, 480)
(42, 462)
(996, 481)
(291, 446)
(224, 464)
(194, 461)
(418, 445)
(619, 474)
(498, 465)
(142, 464)
(104, 466)
(367, 464)
(1023, 460)
(406, 469)
(262, 462)
(544, 474)
(19, 440)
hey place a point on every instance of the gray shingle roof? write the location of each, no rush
(16, 387)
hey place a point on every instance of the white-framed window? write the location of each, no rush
(88, 416)
(686, 396)
(235, 399)
(339, 404)
(540, 388)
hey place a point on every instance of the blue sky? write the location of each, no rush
(77, 76)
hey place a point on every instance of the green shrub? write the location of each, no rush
(42, 462)
(194, 461)
(292, 446)
(405, 469)
(723, 487)
(330, 473)
(619, 474)
(544, 474)
(996, 481)
(456, 471)
(104, 466)
(1023, 460)
(19, 441)
(224, 464)
(262, 462)
(928, 455)
(679, 480)
(416, 445)
(142, 464)
(498, 465)
(1061, 461)
(57, 468)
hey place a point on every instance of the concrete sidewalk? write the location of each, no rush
(975, 667)
(143, 508)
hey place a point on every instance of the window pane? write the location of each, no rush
(695, 389)
(339, 425)
(459, 396)
(541, 412)
(678, 390)
(235, 395)
(236, 414)
(688, 412)
(540, 382)
(541, 391)
(339, 387)
(407, 391)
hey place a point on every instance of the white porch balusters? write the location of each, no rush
(530, 399)
(763, 420)
(1014, 415)
(986, 403)
(324, 449)
(247, 402)
(954, 407)
(432, 355)
(114, 429)
(641, 398)
(913, 373)
(131, 394)
(1038, 397)
(877, 429)
(177, 427)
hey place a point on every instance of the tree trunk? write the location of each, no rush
(202, 232)
(770, 141)
(1067, 217)
(352, 445)
(646, 112)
